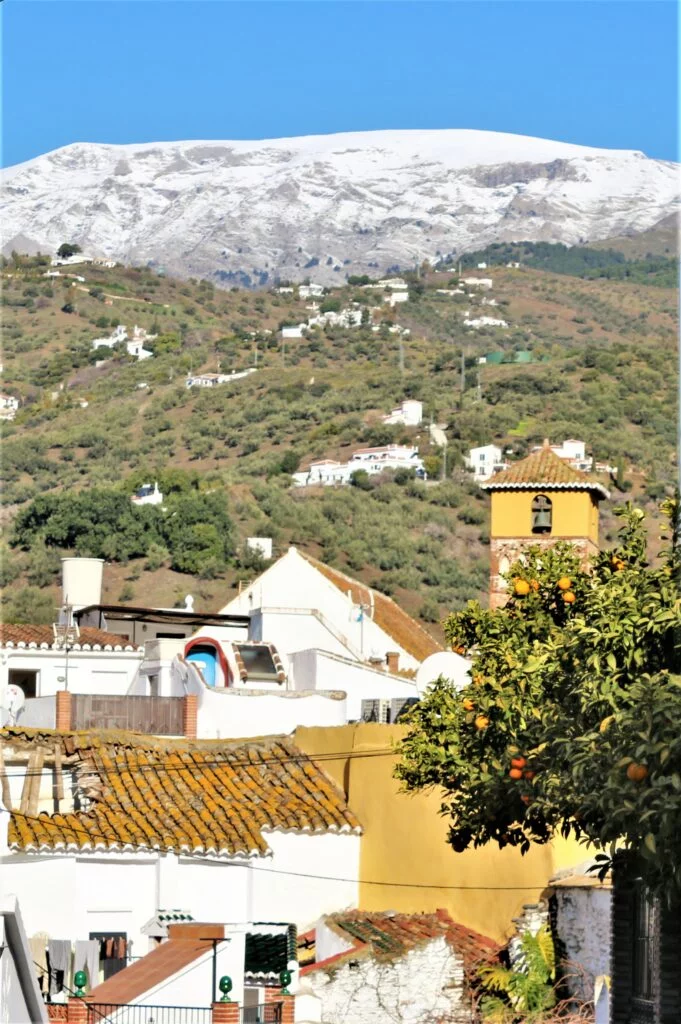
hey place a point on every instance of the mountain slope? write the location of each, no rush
(328, 206)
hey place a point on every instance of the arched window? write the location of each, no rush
(542, 514)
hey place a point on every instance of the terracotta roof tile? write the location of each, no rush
(389, 936)
(24, 633)
(182, 795)
(164, 961)
(404, 630)
(543, 469)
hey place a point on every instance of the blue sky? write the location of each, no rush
(597, 72)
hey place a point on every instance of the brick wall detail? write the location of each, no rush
(190, 714)
(63, 711)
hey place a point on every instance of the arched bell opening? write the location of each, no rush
(542, 514)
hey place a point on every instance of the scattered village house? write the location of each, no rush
(485, 461)
(147, 495)
(8, 406)
(310, 291)
(134, 345)
(372, 460)
(573, 452)
(409, 413)
(211, 380)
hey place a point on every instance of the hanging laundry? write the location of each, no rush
(86, 958)
(59, 955)
(38, 946)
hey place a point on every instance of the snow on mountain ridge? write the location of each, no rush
(357, 201)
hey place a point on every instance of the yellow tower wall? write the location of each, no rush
(575, 514)
(406, 863)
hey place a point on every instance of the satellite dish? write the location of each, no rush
(14, 702)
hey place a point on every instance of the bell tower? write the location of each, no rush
(537, 502)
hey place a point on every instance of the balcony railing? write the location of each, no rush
(120, 1013)
(267, 1013)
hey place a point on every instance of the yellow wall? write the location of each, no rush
(404, 840)
(575, 514)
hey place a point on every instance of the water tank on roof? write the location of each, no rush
(81, 581)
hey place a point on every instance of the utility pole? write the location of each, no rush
(463, 372)
(401, 343)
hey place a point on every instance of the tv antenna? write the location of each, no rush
(66, 636)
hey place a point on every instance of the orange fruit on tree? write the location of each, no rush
(529, 775)
(535, 585)
(526, 799)
(468, 704)
(636, 772)
(481, 722)
(521, 587)
(569, 597)
(516, 773)
(518, 761)
(478, 679)
(459, 649)
(564, 583)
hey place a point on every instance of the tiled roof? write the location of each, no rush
(43, 636)
(195, 797)
(404, 630)
(268, 952)
(185, 944)
(389, 936)
(546, 470)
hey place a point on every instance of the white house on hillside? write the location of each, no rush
(134, 345)
(484, 461)
(147, 495)
(573, 452)
(8, 407)
(211, 380)
(372, 460)
(409, 413)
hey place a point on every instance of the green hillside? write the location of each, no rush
(602, 368)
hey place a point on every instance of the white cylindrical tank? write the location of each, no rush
(82, 581)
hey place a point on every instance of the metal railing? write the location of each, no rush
(267, 1013)
(124, 1013)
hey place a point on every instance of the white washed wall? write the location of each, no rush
(360, 682)
(422, 987)
(296, 894)
(292, 582)
(107, 672)
(583, 926)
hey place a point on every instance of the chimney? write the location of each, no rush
(393, 662)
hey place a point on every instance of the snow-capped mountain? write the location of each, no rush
(327, 206)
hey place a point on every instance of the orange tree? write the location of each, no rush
(571, 721)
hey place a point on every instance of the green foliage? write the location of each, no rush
(578, 261)
(67, 249)
(195, 528)
(29, 604)
(524, 993)
(584, 690)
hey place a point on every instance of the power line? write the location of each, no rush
(225, 763)
(326, 878)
